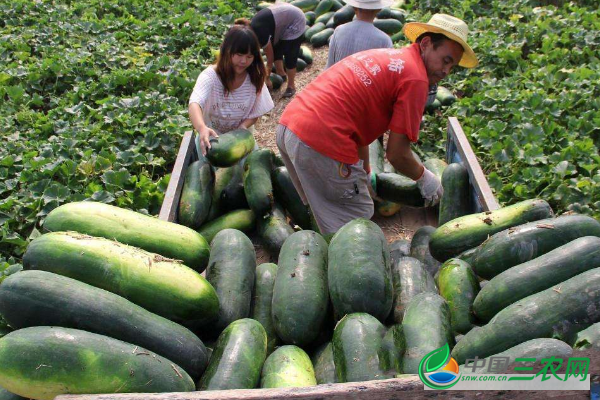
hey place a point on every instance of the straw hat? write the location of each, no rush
(369, 4)
(449, 26)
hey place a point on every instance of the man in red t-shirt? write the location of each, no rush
(324, 133)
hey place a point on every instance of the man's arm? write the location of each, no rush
(399, 154)
(331, 52)
(363, 154)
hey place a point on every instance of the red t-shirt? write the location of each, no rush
(359, 98)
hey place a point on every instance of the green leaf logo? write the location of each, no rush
(434, 361)
(437, 358)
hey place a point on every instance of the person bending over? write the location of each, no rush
(232, 93)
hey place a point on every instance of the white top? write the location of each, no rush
(354, 37)
(225, 113)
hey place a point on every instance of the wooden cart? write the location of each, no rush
(408, 219)
(405, 222)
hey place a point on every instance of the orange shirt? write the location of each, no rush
(359, 98)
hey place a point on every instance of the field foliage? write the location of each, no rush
(94, 96)
(532, 107)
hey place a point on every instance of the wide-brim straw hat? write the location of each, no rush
(449, 26)
(369, 4)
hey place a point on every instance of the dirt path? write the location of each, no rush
(266, 126)
(399, 226)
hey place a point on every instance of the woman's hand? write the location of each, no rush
(205, 135)
(204, 132)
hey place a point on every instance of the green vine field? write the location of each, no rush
(94, 97)
(531, 108)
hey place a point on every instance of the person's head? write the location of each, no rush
(439, 54)
(366, 10)
(239, 53)
(443, 45)
(365, 14)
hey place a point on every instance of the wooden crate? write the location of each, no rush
(458, 150)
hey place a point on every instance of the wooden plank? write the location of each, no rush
(391, 389)
(478, 179)
(431, 216)
(168, 210)
(452, 156)
(406, 387)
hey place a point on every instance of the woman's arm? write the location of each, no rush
(247, 123)
(262, 105)
(198, 123)
(268, 49)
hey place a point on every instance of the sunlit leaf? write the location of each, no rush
(116, 178)
(56, 192)
(103, 196)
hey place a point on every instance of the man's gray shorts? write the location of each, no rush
(336, 192)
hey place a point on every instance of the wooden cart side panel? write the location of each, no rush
(168, 210)
(452, 156)
(391, 389)
(457, 138)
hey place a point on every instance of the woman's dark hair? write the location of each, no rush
(240, 39)
(436, 38)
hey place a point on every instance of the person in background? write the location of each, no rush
(231, 94)
(324, 133)
(280, 31)
(359, 34)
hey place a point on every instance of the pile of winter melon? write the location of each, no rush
(113, 301)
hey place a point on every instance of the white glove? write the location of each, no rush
(430, 187)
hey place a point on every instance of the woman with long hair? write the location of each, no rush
(232, 93)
